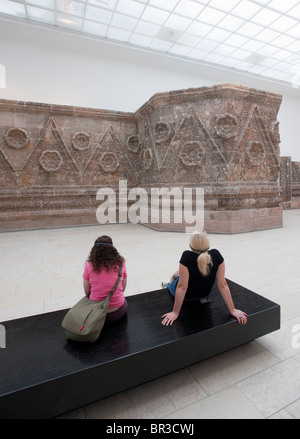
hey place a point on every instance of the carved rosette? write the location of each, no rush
(274, 132)
(51, 160)
(109, 162)
(16, 138)
(296, 172)
(226, 126)
(133, 144)
(192, 153)
(256, 153)
(81, 141)
(162, 132)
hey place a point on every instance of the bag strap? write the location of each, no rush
(117, 281)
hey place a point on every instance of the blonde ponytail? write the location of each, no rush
(204, 263)
(199, 243)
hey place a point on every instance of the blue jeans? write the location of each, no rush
(172, 290)
(173, 285)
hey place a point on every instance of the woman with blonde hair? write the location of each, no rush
(199, 268)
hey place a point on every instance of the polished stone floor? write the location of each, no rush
(41, 271)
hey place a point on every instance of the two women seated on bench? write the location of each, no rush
(199, 268)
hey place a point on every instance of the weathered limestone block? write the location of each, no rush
(286, 181)
(295, 199)
(223, 139)
(53, 159)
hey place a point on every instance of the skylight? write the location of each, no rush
(258, 36)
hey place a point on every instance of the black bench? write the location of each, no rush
(42, 375)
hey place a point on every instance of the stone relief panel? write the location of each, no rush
(109, 163)
(17, 144)
(296, 172)
(50, 163)
(193, 154)
(133, 148)
(217, 137)
(224, 128)
(146, 152)
(156, 136)
(7, 175)
(295, 185)
(214, 146)
(81, 145)
(187, 144)
(162, 135)
(254, 157)
(54, 160)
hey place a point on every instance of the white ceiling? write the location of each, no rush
(260, 37)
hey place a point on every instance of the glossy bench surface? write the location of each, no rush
(42, 375)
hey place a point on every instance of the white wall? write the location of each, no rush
(49, 75)
(63, 69)
(289, 118)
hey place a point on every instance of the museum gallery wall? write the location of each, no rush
(224, 139)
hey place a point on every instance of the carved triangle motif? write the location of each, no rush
(109, 162)
(50, 162)
(193, 154)
(254, 158)
(7, 176)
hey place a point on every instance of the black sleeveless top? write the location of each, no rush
(200, 285)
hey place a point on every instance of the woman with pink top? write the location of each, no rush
(100, 274)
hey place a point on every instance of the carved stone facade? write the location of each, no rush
(290, 183)
(225, 139)
(295, 199)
